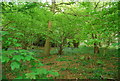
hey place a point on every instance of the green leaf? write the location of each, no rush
(20, 34)
(19, 77)
(15, 65)
(100, 62)
(54, 73)
(18, 57)
(83, 57)
(9, 38)
(5, 59)
(31, 53)
(40, 64)
(12, 28)
(30, 75)
(28, 58)
(17, 44)
(115, 44)
(4, 32)
(14, 40)
(22, 50)
(23, 53)
(8, 42)
(41, 71)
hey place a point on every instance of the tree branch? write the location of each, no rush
(97, 4)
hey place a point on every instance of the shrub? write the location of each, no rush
(18, 61)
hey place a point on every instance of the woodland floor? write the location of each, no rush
(81, 63)
(74, 65)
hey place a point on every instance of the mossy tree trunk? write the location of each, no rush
(96, 48)
(47, 42)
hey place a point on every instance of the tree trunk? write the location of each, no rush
(60, 52)
(47, 47)
(63, 42)
(53, 6)
(68, 44)
(75, 44)
(100, 44)
(96, 48)
(47, 42)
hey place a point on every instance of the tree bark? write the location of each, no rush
(53, 6)
(96, 48)
(75, 44)
(60, 52)
(63, 42)
(47, 42)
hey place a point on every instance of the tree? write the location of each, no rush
(28, 21)
(47, 43)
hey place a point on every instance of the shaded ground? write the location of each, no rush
(79, 63)
(82, 66)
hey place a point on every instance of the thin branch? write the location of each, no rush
(97, 4)
(8, 23)
(103, 5)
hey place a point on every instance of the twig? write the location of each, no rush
(97, 4)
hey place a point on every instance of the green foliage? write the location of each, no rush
(49, 63)
(5, 59)
(63, 59)
(52, 72)
(99, 62)
(82, 58)
(73, 70)
(85, 63)
(41, 74)
(30, 75)
(78, 22)
(15, 65)
(10, 38)
(20, 29)
(18, 57)
(63, 69)
(85, 22)
(18, 60)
